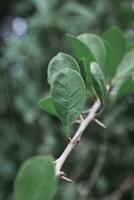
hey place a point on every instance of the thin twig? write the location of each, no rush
(97, 168)
(95, 172)
(126, 185)
(100, 123)
(60, 161)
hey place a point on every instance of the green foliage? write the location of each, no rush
(69, 95)
(125, 73)
(81, 51)
(59, 62)
(48, 105)
(115, 42)
(36, 179)
(95, 45)
(25, 130)
(68, 89)
(99, 82)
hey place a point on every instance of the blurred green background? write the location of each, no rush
(31, 33)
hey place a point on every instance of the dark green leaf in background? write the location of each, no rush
(81, 51)
(79, 48)
(82, 65)
(111, 61)
(69, 95)
(99, 83)
(126, 88)
(47, 105)
(95, 45)
(124, 73)
(115, 43)
(36, 179)
(60, 62)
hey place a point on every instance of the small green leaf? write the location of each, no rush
(69, 95)
(60, 62)
(47, 105)
(99, 83)
(95, 45)
(116, 43)
(81, 51)
(36, 179)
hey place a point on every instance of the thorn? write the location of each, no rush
(108, 87)
(79, 139)
(81, 118)
(68, 140)
(64, 177)
(100, 123)
(61, 173)
(78, 121)
(86, 111)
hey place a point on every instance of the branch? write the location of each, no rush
(60, 161)
(126, 185)
(97, 168)
(95, 172)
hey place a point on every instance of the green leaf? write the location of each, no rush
(36, 179)
(124, 73)
(127, 87)
(116, 42)
(111, 60)
(82, 65)
(69, 95)
(81, 51)
(47, 105)
(60, 62)
(95, 45)
(99, 83)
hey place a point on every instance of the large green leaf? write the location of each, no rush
(48, 105)
(69, 95)
(124, 73)
(36, 179)
(81, 51)
(99, 83)
(95, 45)
(60, 62)
(116, 48)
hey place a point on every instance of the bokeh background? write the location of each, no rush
(31, 33)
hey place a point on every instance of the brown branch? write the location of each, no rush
(97, 168)
(95, 172)
(126, 185)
